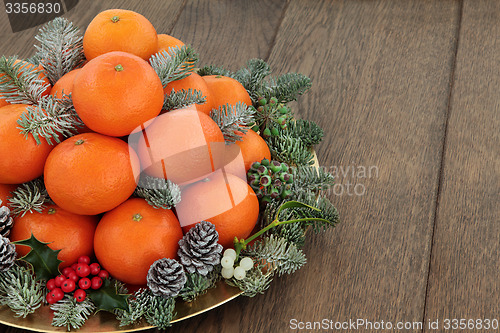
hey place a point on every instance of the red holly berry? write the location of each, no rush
(68, 286)
(95, 268)
(74, 266)
(58, 281)
(74, 277)
(96, 282)
(103, 274)
(57, 294)
(84, 260)
(80, 295)
(84, 283)
(82, 270)
(50, 299)
(51, 284)
(67, 270)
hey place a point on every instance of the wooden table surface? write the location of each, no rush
(410, 89)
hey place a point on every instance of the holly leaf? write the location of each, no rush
(107, 297)
(43, 259)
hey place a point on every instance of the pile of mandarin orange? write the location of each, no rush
(91, 177)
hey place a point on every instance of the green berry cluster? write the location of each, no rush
(270, 180)
(270, 115)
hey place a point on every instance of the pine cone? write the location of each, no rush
(166, 278)
(198, 249)
(7, 253)
(5, 220)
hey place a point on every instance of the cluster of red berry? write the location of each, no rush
(82, 274)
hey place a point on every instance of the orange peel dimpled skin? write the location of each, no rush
(116, 93)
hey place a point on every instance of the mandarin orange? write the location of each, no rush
(226, 90)
(182, 146)
(64, 84)
(195, 82)
(224, 200)
(24, 158)
(120, 30)
(166, 41)
(253, 148)
(131, 237)
(71, 233)
(116, 93)
(91, 173)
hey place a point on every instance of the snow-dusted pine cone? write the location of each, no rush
(198, 249)
(5, 220)
(7, 253)
(166, 278)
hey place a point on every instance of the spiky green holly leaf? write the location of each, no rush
(108, 298)
(43, 259)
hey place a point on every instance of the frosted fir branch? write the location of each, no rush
(197, 284)
(137, 306)
(160, 311)
(252, 77)
(255, 282)
(60, 49)
(175, 64)
(287, 87)
(326, 211)
(51, 119)
(214, 70)
(290, 150)
(233, 119)
(158, 192)
(29, 197)
(307, 131)
(308, 178)
(283, 256)
(20, 83)
(70, 313)
(20, 291)
(182, 98)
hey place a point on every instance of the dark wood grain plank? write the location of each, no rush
(229, 32)
(382, 71)
(463, 280)
(162, 14)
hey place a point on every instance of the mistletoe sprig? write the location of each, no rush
(241, 244)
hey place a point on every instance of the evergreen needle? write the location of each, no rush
(19, 82)
(175, 64)
(60, 49)
(70, 313)
(52, 119)
(29, 197)
(20, 291)
(233, 120)
(182, 98)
